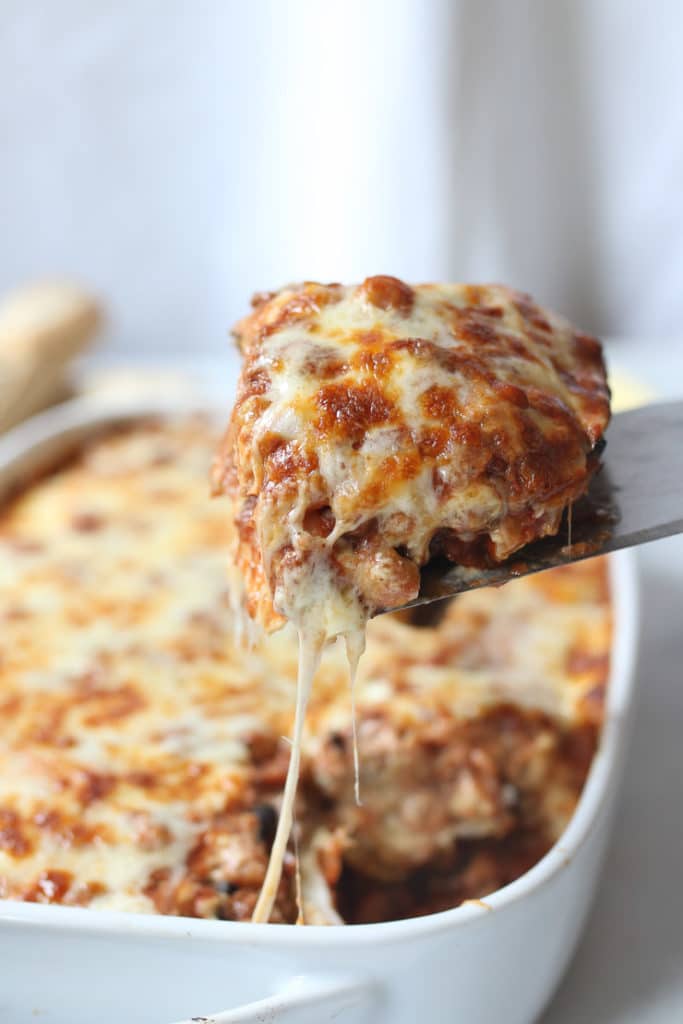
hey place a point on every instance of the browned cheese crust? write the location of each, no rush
(379, 425)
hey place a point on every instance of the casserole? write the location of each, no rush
(488, 962)
(378, 426)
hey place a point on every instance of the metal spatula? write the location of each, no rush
(636, 496)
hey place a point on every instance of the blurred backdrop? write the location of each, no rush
(177, 156)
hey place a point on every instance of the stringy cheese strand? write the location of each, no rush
(355, 645)
(310, 648)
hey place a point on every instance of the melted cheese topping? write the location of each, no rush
(125, 711)
(379, 425)
(132, 750)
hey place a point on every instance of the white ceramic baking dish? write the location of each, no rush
(485, 964)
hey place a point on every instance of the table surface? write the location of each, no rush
(628, 968)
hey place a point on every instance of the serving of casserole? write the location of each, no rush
(142, 762)
(378, 428)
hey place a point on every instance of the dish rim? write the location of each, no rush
(80, 417)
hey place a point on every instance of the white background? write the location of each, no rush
(179, 155)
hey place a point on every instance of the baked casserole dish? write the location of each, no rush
(142, 754)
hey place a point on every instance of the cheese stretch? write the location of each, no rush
(381, 425)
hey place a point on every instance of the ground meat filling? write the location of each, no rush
(450, 810)
(224, 871)
(473, 870)
(381, 576)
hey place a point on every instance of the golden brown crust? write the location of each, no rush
(455, 419)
